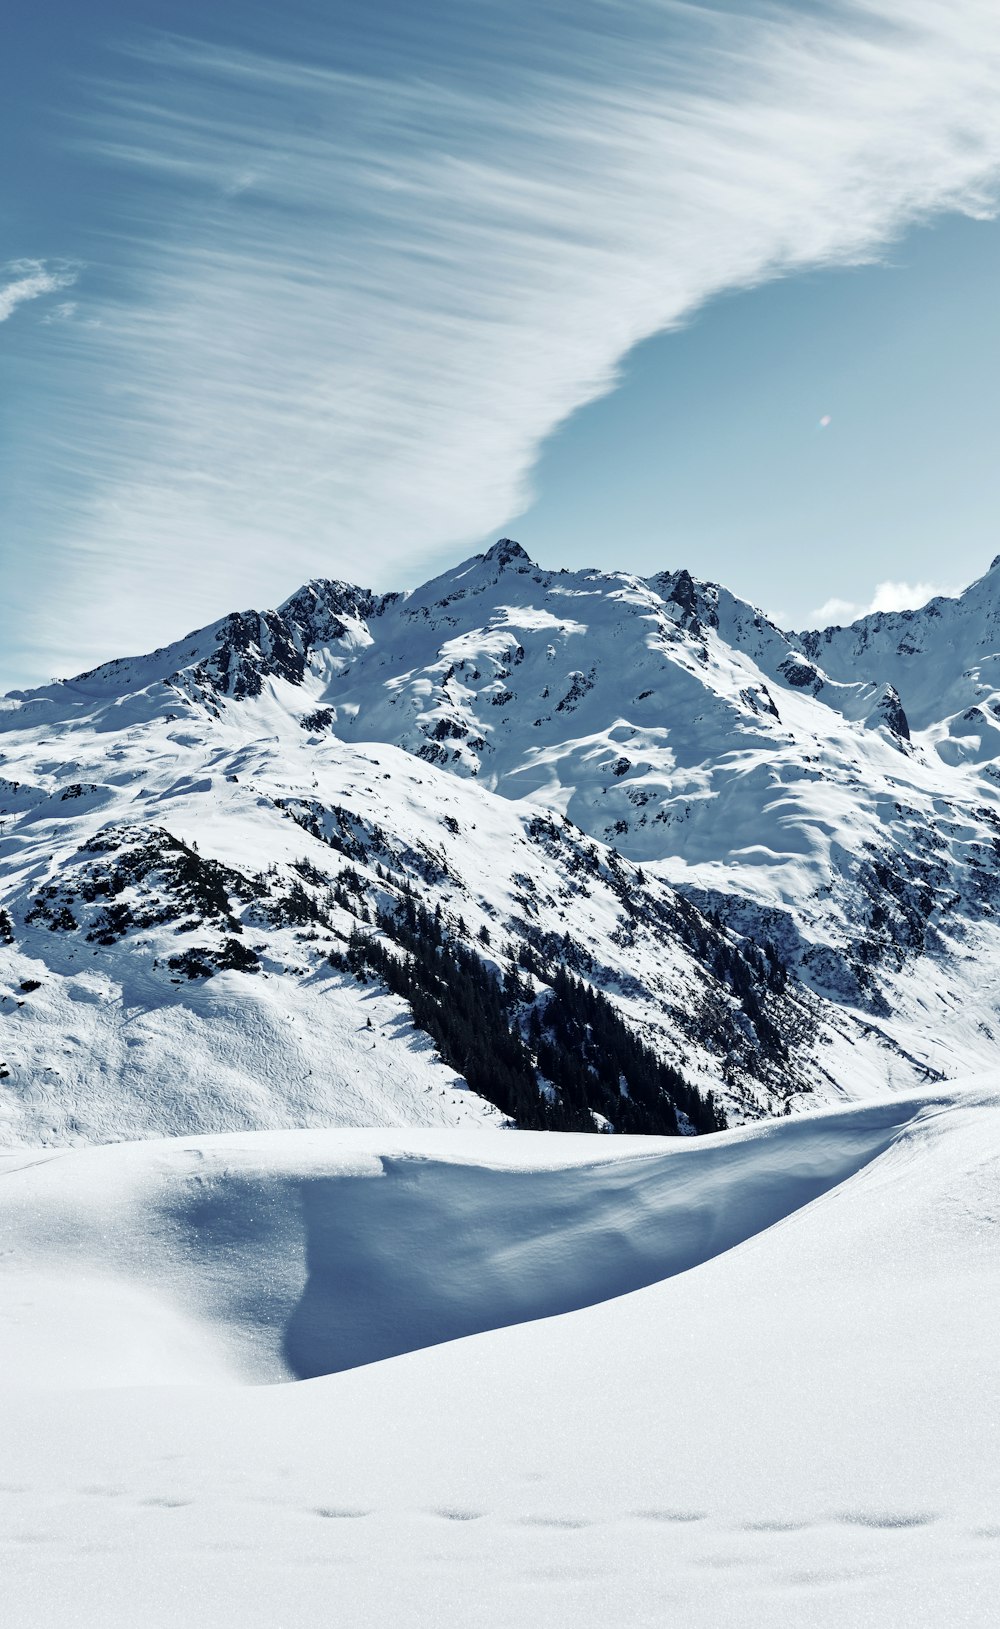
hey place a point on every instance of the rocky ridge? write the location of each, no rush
(774, 854)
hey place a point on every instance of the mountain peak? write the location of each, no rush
(505, 552)
(762, 845)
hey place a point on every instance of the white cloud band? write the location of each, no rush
(361, 304)
(888, 596)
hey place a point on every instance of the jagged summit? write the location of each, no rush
(505, 552)
(775, 854)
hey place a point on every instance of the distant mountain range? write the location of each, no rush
(576, 849)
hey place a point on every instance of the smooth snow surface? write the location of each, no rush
(775, 1404)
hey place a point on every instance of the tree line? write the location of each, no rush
(550, 1051)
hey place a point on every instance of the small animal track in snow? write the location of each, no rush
(669, 1515)
(886, 1519)
(569, 1523)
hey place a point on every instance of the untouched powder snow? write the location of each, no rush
(292, 1254)
(750, 1380)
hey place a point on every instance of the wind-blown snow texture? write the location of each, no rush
(790, 1421)
(776, 853)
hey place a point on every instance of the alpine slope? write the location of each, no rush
(306, 918)
(773, 857)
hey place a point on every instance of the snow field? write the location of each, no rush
(291, 1254)
(793, 1422)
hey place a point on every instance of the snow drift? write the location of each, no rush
(290, 1255)
(797, 1426)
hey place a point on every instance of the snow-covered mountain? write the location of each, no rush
(774, 855)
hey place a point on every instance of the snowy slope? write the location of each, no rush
(743, 1379)
(792, 1423)
(943, 658)
(645, 780)
(287, 1255)
(116, 1041)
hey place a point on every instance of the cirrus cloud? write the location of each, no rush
(364, 290)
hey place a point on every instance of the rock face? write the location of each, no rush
(774, 854)
(888, 710)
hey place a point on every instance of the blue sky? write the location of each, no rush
(346, 290)
(712, 453)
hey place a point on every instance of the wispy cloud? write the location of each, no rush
(24, 280)
(365, 290)
(888, 596)
(65, 311)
